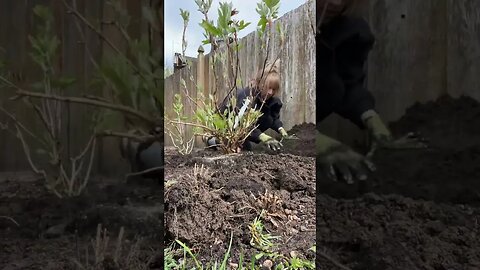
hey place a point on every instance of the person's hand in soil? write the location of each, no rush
(382, 137)
(285, 135)
(270, 142)
(338, 160)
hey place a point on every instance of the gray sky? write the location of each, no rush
(194, 34)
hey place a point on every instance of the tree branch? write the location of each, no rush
(117, 107)
(190, 124)
(19, 124)
(102, 37)
(332, 260)
(108, 133)
(11, 219)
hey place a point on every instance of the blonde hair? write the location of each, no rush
(267, 76)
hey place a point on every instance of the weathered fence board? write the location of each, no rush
(17, 22)
(424, 49)
(463, 48)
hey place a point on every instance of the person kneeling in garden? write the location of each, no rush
(263, 91)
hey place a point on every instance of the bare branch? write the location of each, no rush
(98, 32)
(154, 169)
(97, 98)
(116, 107)
(108, 133)
(11, 219)
(44, 119)
(26, 150)
(89, 169)
(191, 124)
(82, 36)
(19, 124)
(332, 260)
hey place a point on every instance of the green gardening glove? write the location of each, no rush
(338, 160)
(382, 138)
(270, 142)
(285, 135)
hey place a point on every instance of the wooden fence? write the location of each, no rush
(297, 69)
(17, 22)
(424, 49)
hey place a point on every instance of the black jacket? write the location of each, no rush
(343, 46)
(271, 112)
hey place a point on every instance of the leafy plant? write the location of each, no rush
(232, 126)
(176, 131)
(64, 174)
(134, 80)
(268, 11)
(135, 99)
(215, 265)
(259, 239)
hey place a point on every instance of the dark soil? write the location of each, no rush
(51, 230)
(380, 232)
(305, 145)
(420, 210)
(204, 210)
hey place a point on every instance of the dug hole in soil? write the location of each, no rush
(53, 233)
(228, 192)
(420, 209)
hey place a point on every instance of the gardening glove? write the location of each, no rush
(285, 135)
(270, 142)
(337, 159)
(382, 138)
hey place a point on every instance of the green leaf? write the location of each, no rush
(219, 123)
(242, 25)
(39, 86)
(41, 151)
(63, 82)
(43, 12)
(185, 15)
(210, 28)
(262, 23)
(259, 256)
(110, 120)
(224, 16)
(116, 72)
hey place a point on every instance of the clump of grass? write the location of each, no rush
(107, 257)
(262, 241)
(171, 263)
(259, 239)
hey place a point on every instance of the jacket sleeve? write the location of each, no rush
(275, 112)
(357, 101)
(255, 136)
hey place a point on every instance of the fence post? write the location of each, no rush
(200, 83)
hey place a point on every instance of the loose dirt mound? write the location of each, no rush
(305, 146)
(204, 209)
(437, 226)
(51, 229)
(392, 232)
(448, 171)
